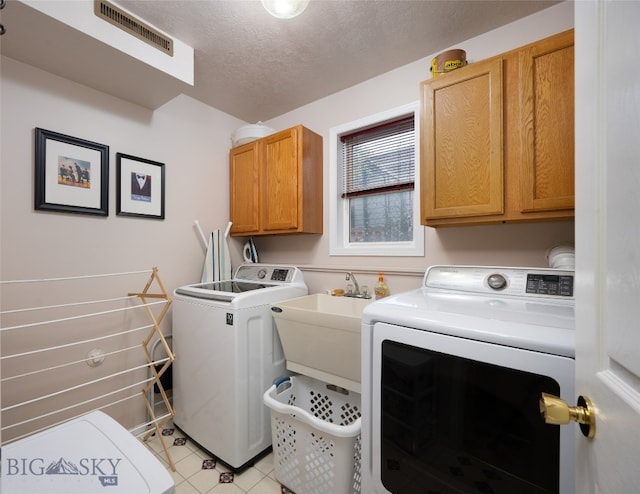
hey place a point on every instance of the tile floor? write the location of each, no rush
(198, 473)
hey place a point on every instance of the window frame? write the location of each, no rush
(339, 244)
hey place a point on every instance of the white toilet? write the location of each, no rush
(87, 455)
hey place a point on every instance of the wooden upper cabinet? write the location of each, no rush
(276, 184)
(498, 138)
(462, 142)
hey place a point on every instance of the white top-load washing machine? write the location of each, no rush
(92, 453)
(452, 376)
(227, 355)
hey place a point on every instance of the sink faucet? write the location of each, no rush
(356, 293)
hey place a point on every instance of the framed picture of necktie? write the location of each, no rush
(139, 187)
(71, 174)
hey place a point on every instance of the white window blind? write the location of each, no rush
(378, 181)
(379, 159)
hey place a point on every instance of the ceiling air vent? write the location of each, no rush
(125, 21)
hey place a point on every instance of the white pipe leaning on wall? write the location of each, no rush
(203, 237)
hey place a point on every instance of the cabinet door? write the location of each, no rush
(245, 188)
(547, 123)
(280, 181)
(461, 153)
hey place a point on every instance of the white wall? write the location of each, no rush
(193, 140)
(516, 245)
(190, 138)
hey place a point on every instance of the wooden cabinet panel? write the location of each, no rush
(462, 148)
(281, 181)
(547, 98)
(278, 188)
(245, 188)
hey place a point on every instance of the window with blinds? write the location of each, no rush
(378, 179)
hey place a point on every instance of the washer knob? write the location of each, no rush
(497, 282)
(262, 273)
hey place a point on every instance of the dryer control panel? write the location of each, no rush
(523, 282)
(550, 284)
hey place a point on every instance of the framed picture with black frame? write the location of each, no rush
(71, 174)
(139, 187)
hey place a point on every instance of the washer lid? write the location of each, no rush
(92, 453)
(253, 284)
(224, 291)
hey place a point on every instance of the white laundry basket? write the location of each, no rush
(316, 436)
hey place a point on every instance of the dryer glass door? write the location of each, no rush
(451, 424)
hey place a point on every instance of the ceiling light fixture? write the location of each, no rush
(285, 9)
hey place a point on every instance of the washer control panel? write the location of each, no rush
(265, 273)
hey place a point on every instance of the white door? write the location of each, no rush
(608, 242)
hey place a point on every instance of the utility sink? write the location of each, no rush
(320, 336)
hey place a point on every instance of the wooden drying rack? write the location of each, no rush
(155, 331)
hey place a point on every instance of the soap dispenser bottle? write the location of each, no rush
(381, 290)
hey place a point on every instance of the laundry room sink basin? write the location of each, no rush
(324, 310)
(320, 336)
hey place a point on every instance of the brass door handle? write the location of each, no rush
(556, 411)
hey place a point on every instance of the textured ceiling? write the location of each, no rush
(255, 67)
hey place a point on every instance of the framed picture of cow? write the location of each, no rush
(71, 174)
